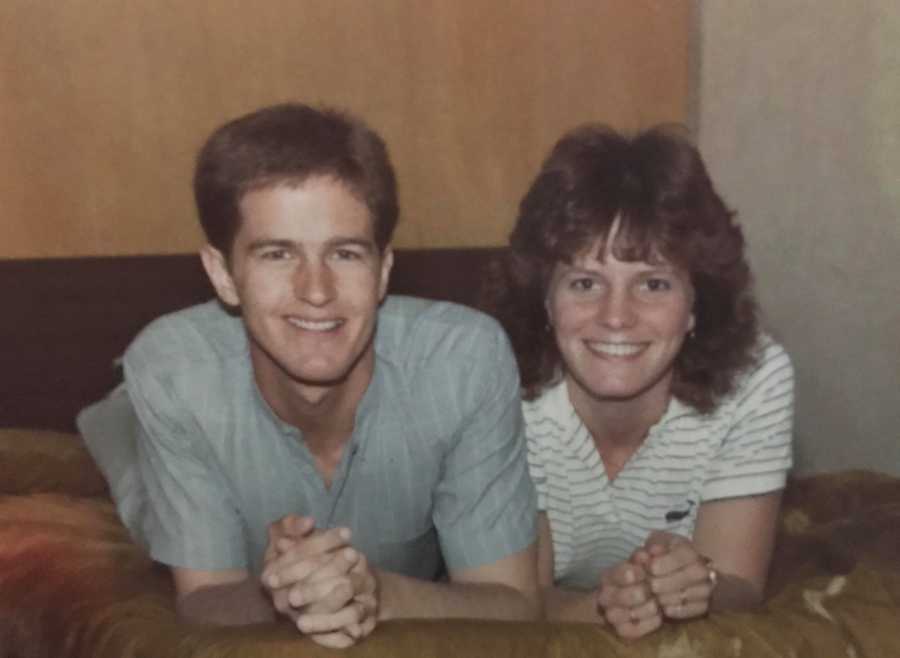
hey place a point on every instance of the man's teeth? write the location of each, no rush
(617, 349)
(315, 325)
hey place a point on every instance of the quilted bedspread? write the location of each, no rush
(72, 584)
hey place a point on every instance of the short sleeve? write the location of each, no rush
(189, 519)
(756, 453)
(485, 501)
(538, 474)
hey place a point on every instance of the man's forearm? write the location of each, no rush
(402, 597)
(571, 605)
(231, 604)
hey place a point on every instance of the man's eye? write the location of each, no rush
(276, 254)
(347, 254)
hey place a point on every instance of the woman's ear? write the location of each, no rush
(216, 266)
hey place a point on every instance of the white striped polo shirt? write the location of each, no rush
(742, 448)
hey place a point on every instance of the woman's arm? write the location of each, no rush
(621, 599)
(738, 535)
(733, 540)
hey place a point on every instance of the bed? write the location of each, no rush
(72, 584)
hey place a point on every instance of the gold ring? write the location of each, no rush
(711, 574)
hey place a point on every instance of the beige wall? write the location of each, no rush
(103, 103)
(800, 124)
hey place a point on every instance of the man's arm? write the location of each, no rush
(234, 597)
(505, 589)
(560, 604)
(484, 504)
(226, 597)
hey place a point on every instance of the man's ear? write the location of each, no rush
(216, 266)
(387, 262)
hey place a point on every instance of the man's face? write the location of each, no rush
(308, 277)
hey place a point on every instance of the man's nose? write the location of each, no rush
(314, 283)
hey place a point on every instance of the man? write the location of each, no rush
(307, 446)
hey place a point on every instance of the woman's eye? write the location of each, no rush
(582, 285)
(657, 284)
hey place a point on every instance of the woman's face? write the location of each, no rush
(619, 325)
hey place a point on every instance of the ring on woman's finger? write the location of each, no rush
(712, 575)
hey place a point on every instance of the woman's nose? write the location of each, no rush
(616, 310)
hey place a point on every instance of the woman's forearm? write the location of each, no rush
(734, 593)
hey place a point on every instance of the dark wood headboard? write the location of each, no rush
(64, 321)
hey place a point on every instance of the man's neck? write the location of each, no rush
(325, 414)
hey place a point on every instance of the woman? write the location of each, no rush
(658, 415)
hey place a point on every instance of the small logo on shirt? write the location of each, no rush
(677, 514)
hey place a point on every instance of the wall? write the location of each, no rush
(800, 123)
(103, 103)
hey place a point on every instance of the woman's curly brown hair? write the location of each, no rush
(658, 188)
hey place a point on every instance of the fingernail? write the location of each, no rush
(349, 554)
(344, 533)
(272, 580)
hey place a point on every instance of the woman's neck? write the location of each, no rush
(620, 424)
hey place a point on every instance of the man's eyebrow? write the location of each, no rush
(267, 244)
(368, 245)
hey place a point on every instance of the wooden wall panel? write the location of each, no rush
(103, 103)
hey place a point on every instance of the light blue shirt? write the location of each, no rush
(199, 465)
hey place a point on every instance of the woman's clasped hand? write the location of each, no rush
(664, 579)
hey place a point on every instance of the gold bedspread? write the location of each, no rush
(73, 585)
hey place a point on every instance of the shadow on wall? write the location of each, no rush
(799, 124)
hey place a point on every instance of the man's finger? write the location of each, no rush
(338, 640)
(277, 572)
(339, 563)
(290, 526)
(322, 597)
(284, 532)
(326, 623)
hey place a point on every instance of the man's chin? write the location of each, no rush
(321, 377)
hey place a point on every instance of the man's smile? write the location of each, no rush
(314, 325)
